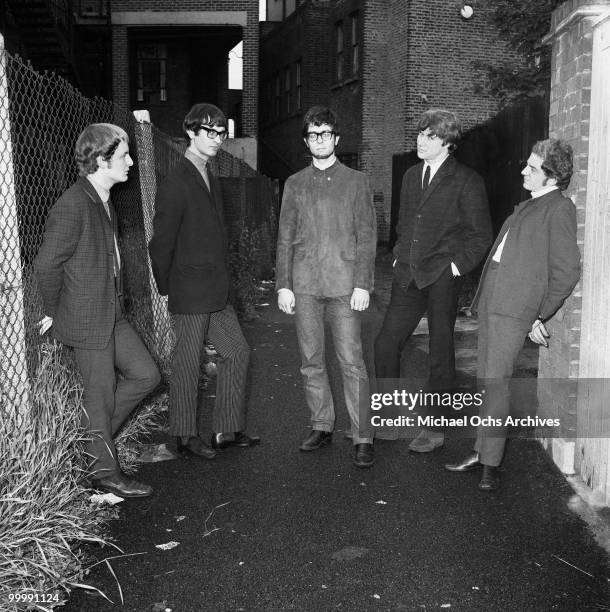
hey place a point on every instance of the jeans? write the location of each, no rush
(311, 312)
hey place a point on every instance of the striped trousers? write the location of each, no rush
(223, 330)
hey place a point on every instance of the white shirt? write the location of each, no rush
(497, 256)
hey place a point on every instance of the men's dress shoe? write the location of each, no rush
(490, 480)
(121, 485)
(241, 440)
(472, 462)
(364, 455)
(316, 439)
(427, 441)
(195, 446)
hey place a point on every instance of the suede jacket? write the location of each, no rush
(327, 232)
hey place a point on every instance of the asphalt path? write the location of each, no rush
(271, 528)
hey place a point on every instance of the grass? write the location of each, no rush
(45, 514)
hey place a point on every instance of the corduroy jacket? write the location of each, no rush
(327, 233)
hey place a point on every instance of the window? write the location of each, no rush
(297, 85)
(355, 44)
(339, 50)
(287, 89)
(152, 64)
(277, 95)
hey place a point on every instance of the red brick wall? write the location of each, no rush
(120, 60)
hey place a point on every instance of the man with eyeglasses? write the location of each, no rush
(325, 265)
(189, 255)
(443, 232)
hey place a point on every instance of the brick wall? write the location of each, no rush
(418, 55)
(571, 37)
(120, 60)
(302, 36)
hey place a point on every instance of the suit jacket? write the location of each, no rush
(327, 233)
(540, 263)
(189, 248)
(74, 268)
(447, 222)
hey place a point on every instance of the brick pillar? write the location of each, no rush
(120, 67)
(571, 40)
(249, 112)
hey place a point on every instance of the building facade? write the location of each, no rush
(158, 55)
(380, 64)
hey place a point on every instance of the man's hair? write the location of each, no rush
(204, 114)
(97, 139)
(319, 115)
(442, 123)
(557, 159)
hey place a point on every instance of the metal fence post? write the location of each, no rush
(148, 188)
(14, 384)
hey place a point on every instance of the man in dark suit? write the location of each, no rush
(79, 274)
(443, 232)
(189, 254)
(532, 268)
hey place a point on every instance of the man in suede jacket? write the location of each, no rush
(325, 266)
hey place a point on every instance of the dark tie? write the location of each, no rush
(426, 178)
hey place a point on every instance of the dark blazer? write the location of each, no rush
(448, 222)
(188, 249)
(540, 263)
(74, 268)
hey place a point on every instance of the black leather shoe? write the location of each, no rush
(490, 480)
(316, 439)
(472, 462)
(241, 440)
(195, 446)
(364, 455)
(121, 485)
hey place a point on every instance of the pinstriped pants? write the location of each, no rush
(223, 330)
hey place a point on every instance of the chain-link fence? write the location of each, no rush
(41, 116)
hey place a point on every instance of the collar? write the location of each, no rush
(199, 163)
(331, 170)
(543, 191)
(102, 192)
(436, 164)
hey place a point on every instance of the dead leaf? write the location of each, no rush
(349, 553)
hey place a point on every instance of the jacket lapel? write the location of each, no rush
(447, 169)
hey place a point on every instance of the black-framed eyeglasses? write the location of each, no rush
(212, 133)
(325, 136)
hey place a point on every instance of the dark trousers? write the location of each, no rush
(224, 332)
(407, 305)
(107, 399)
(500, 339)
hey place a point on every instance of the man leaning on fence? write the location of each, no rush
(189, 258)
(79, 273)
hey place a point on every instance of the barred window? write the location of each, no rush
(152, 66)
(355, 43)
(277, 95)
(297, 83)
(287, 89)
(339, 50)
